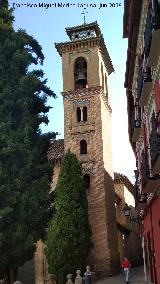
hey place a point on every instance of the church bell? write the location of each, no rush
(81, 77)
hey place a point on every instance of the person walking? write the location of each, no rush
(126, 266)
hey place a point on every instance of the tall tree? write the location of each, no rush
(68, 240)
(25, 173)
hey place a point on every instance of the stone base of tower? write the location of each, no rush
(101, 199)
(106, 267)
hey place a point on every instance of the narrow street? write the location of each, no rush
(136, 276)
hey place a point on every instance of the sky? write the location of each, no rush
(47, 25)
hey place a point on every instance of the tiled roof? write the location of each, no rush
(94, 25)
(99, 37)
(56, 149)
(124, 179)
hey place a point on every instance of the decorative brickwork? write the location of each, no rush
(56, 150)
(96, 132)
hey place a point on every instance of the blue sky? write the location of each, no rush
(48, 27)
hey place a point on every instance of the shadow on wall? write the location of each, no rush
(111, 223)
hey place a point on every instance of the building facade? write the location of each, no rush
(142, 83)
(86, 66)
(129, 240)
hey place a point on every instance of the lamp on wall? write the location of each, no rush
(127, 213)
(126, 210)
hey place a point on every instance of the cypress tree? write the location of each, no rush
(25, 173)
(68, 238)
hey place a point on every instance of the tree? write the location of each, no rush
(68, 238)
(25, 173)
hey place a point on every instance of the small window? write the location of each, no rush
(78, 114)
(76, 36)
(86, 178)
(83, 147)
(84, 113)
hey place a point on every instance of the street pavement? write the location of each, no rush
(136, 277)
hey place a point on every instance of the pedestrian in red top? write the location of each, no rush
(126, 265)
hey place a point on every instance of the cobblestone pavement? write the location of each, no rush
(136, 277)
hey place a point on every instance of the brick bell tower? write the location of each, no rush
(87, 133)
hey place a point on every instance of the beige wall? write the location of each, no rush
(57, 167)
(106, 137)
(68, 59)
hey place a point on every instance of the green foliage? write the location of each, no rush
(68, 239)
(25, 174)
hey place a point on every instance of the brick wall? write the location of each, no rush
(101, 196)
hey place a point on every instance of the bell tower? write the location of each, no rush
(86, 66)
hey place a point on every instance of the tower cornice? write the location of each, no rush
(82, 44)
(82, 92)
(87, 92)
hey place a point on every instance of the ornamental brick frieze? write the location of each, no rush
(88, 162)
(93, 91)
(89, 171)
(81, 102)
(82, 133)
(106, 102)
(77, 45)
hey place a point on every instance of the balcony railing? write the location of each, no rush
(145, 168)
(131, 123)
(154, 141)
(148, 32)
(139, 196)
(139, 82)
(137, 122)
(150, 172)
(147, 86)
(156, 16)
(147, 75)
(154, 52)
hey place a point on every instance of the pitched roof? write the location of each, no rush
(56, 149)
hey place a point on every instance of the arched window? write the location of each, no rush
(80, 73)
(83, 147)
(81, 114)
(86, 178)
(78, 114)
(84, 113)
